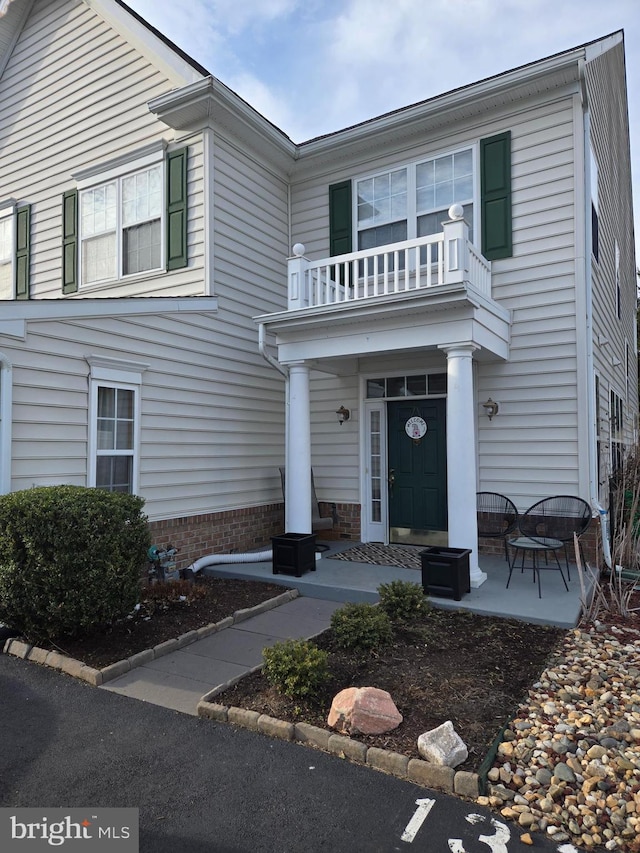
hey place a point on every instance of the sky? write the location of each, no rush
(317, 66)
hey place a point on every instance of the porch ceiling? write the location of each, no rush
(416, 320)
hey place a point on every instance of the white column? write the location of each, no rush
(298, 453)
(461, 454)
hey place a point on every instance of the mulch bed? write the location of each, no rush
(470, 669)
(473, 670)
(166, 611)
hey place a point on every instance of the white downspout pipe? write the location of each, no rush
(223, 559)
(253, 556)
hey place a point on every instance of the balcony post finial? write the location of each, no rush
(298, 290)
(456, 253)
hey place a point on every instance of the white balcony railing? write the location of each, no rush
(387, 271)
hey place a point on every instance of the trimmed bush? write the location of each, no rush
(296, 668)
(70, 559)
(403, 601)
(361, 627)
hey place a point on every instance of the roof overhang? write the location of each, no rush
(209, 103)
(17, 313)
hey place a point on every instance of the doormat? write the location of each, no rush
(402, 556)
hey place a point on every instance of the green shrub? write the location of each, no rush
(361, 627)
(403, 601)
(70, 558)
(296, 668)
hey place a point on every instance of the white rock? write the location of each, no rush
(443, 746)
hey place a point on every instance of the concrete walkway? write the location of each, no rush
(179, 679)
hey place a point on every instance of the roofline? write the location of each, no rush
(453, 97)
(170, 44)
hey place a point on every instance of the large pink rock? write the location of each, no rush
(363, 710)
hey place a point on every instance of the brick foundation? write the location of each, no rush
(240, 530)
(232, 531)
(346, 523)
(251, 528)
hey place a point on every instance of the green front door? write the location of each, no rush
(417, 472)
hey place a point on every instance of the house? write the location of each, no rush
(437, 301)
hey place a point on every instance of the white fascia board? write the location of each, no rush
(209, 103)
(448, 102)
(12, 20)
(157, 51)
(71, 309)
(597, 48)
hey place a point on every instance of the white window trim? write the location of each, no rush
(8, 211)
(125, 375)
(412, 214)
(113, 172)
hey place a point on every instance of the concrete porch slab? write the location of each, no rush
(342, 581)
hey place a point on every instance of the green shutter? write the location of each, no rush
(340, 219)
(177, 209)
(495, 186)
(70, 242)
(23, 251)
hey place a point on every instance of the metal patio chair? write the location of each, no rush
(546, 528)
(497, 517)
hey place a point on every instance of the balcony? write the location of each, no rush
(420, 294)
(413, 266)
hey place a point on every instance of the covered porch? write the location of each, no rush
(346, 581)
(428, 301)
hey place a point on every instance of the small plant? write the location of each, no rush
(362, 627)
(296, 668)
(403, 601)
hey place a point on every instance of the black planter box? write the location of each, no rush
(294, 553)
(445, 572)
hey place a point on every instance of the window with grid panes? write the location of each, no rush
(121, 226)
(115, 446)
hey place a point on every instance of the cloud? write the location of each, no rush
(271, 104)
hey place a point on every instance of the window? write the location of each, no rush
(115, 438)
(616, 414)
(594, 203)
(6, 254)
(420, 385)
(414, 201)
(15, 248)
(121, 226)
(126, 218)
(114, 418)
(618, 295)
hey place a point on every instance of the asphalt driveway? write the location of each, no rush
(208, 788)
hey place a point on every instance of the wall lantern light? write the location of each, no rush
(491, 408)
(343, 415)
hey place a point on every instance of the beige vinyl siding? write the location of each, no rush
(532, 448)
(335, 458)
(57, 118)
(211, 416)
(610, 140)
(250, 234)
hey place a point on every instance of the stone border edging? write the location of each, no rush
(96, 677)
(423, 773)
